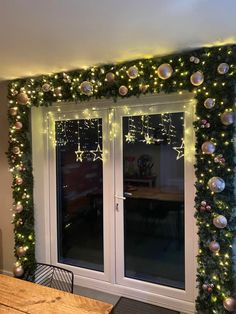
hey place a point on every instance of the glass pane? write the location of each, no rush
(154, 207)
(80, 193)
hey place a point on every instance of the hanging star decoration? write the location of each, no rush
(148, 139)
(129, 137)
(79, 154)
(179, 150)
(98, 154)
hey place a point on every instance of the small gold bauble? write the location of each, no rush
(110, 77)
(22, 98)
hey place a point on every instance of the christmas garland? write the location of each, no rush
(210, 74)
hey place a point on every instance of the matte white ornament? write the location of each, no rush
(164, 71)
(133, 72)
(209, 103)
(216, 184)
(123, 90)
(197, 78)
(86, 88)
(220, 222)
(227, 118)
(223, 68)
(208, 147)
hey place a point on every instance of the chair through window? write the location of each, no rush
(51, 276)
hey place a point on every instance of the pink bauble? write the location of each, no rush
(223, 68)
(227, 118)
(13, 111)
(18, 208)
(18, 271)
(18, 125)
(220, 222)
(22, 98)
(214, 246)
(164, 71)
(209, 103)
(123, 90)
(19, 180)
(197, 78)
(21, 250)
(132, 72)
(110, 77)
(208, 147)
(230, 304)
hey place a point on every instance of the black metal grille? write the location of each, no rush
(51, 276)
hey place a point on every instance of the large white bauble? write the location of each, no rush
(216, 184)
(220, 222)
(164, 71)
(197, 78)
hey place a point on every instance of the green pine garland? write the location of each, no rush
(215, 270)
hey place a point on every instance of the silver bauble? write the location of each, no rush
(110, 77)
(86, 88)
(22, 98)
(227, 118)
(214, 246)
(208, 147)
(164, 71)
(209, 103)
(123, 90)
(20, 251)
(223, 68)
(230, 304)
(46, 87)
(216, 184)
(220, 222)
(13, 111)
(16, 150)
(132, 72)
(18, 270)
(18, 125)
(197, 78)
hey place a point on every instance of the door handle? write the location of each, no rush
(120, 197)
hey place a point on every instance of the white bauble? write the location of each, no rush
(220, 221)
(208, 147)
(197, 78)
(164, 71)
(216, 184)
(209, 103)
(223, 68)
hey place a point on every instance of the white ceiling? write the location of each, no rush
(42, 36)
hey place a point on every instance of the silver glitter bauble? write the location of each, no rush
(209, 103)
(223, 68)
(208, 147)
(197, 78)
(220, 222)
(164, 71)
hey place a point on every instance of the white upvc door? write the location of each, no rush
(186, 293)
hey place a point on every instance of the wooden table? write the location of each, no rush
(19, 296)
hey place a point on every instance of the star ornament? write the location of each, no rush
(79, 154)
(98, 155)
(180, 151)
(130, 138)
(148, 139)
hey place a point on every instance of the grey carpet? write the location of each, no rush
(129, 306)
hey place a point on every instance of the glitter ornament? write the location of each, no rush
(197, 78)
(164, 71)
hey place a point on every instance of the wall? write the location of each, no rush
(6, 228)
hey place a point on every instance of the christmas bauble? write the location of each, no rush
(123, 90)
(21, 250)
(13, 111)
(18, 207)
(209, 103)
(220, 222)
(214, 246)
(223, 68)
(18, 125)
(19, 180)
(16, 150)
(57, 91)
(191, 59)
(46, 87)
(230, 304)
(110, 77)
(197, 78)
(22, 98)
(18, 270)
(208, 147)
(196, 60)
(132, 72)
(164, 71)
(86, 88)
(227, 118)
(216, 184)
